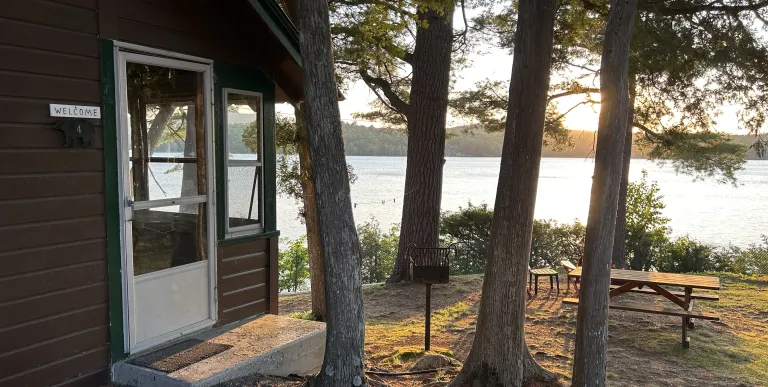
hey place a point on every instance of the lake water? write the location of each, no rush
(706, 210)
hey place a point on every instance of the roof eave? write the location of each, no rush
(279, 23)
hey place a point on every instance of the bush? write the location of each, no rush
(647, 231)
(553, 242)
(470, 228)
(293, 265)
(753, 260)
(684, 255)
(378, 251)
(750, 261)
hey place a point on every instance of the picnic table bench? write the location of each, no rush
(651, 283)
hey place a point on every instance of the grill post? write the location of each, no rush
(428, 324)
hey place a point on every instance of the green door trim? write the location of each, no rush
(226, 76)
(112, 200)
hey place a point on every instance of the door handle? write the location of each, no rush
(129, 203)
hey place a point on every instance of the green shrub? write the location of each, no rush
(647, 230)
(378, 251)
(307, 315)
(750, 261)
(293, 265)
(684, 255)
(553, 242)
(470, 229)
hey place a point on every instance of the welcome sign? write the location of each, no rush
(75, 111)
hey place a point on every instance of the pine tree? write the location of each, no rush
(499, 355)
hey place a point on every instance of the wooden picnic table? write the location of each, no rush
(623, 281)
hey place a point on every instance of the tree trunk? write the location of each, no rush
(140, 153)
(345, 331)
(592, 321)
(189, 184)
(620, 238)
(316, 267)
(426, 135)
(499, 355)
(159, 123)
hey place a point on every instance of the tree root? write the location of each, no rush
(532, 370)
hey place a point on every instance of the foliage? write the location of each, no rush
(306, 315)
(752, 261)
(289, 173)
(470, 228)
(293, 265)
(553, 242)
(374, 41)
(684, 255)
(702, 154)
(687, 62)
(646, 226)
(378, 250)
(487, 106)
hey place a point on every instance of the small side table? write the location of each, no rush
(533, 277)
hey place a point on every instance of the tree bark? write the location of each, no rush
(592, 321)
(159, 123)
(345, 331)
(620, 238)
(499, 356)
(316, 267)
(139, 145)
(426, 135)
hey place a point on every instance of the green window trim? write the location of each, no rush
(228, 76)
(248, 238)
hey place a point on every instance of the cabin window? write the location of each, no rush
(243, 123)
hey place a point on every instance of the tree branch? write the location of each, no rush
(390, 5)
(560, 117)
(582, 66)
(715, 6)
(382, 84)
(648, 132)
(462, 36)
(573, 92)
(408, 58)
(760, 17)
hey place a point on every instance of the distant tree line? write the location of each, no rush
(361, 140)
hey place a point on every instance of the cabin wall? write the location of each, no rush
(54, 323)
(54, 298)
(244, 279)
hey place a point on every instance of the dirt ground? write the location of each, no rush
(643, 349)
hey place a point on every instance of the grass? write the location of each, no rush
(643, 349)
(306, 315)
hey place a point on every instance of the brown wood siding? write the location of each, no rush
(54, 305)
(229, 31)
(54, 324)
(208, 31)
(244, 279)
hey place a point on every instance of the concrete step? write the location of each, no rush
(270, 345)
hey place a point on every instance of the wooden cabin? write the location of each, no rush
(137, 176)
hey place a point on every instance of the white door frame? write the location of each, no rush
(200, 65)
